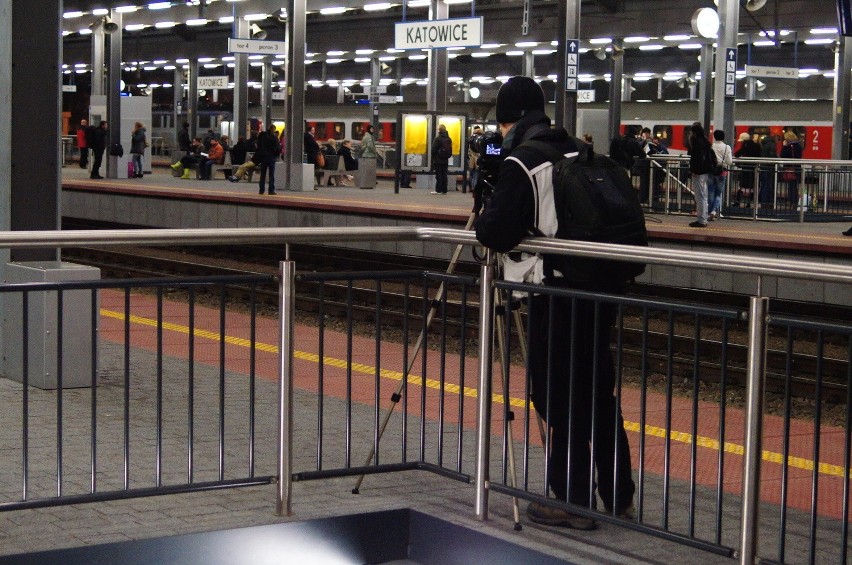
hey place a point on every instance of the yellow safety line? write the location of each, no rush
(653, 431)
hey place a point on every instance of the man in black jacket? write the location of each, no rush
(99, 143)
(523, 201)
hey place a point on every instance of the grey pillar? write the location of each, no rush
(36, 109)
(177, 101)
(626, 89)
(842, 62)
(266, 97)
(375, 77)
(98, 37)
(241, 77)
(5, 122)
(566, 101)
(705, 86)
(192, 98)
(528, 69)
(661, 86)
(751, 88)
(616, 71)
(295, 145)
(729, 24)
(113, 93)
(436, 89)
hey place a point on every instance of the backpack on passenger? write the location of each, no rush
(445, 149)
(594, 201)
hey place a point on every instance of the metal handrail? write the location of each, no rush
(747, 264)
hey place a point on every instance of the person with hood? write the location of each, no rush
(700, 166)
(138, 143)
(442, 151)
(580, 330)
(792, 174)
(268, 150)
(748, 148)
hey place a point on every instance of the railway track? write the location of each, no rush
(667, 351)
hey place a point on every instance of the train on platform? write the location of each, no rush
(668, 120)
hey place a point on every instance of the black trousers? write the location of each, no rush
(597, 440)
(84, 157)
(441, 171)
(96, 166)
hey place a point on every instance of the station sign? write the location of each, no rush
(771, 72)
(69, 88)
(256, 46)
(730, 72)
(213, 82)
(454, 32)
(585, 95)
(572, 64)
(279, 95)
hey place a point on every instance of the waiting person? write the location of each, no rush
(268, 150)
(748, 148)
(332, 162)
(244, 169)
(442, 151)
(99, 144)
(580, 329)
(716, 183)
(239, 151)
(215, 156)
(193, 158)
(138, 143)
(367, 149)
(792, 174)
(183, 138)
(312, 148)
(82, 144)
(700, 168)
(767, 171)
(349, 161)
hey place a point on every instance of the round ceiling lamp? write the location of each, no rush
(705, 23)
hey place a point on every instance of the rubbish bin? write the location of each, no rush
(42, 320)
(365, 175)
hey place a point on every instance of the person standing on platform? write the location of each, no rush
(580, 330)
(82, 144)
(183, 139)
(792, 174)
(748, 148)
(312, 148)
(700, 166)
(442, 151)
(767, 171)
(472, 157)
(716, 183)
(367, 149)
(99, 144)
(138, 143)
(268, 150)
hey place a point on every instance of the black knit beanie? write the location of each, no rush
(516, 97)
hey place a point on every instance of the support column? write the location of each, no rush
(436, 89)
(5, 123)
(842, 63)
(265, 98)
(705, 86)
(528, 69)
(729, 25)
(113, 93)
(375, 77)
(296, 25)
(177, 101)
(241, 77)
(616, 72)
(192, 98)
(566, 100)
(98, 37)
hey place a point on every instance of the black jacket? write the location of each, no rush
(267, 146)
(748, 149)
(99, 139)
(509, 215)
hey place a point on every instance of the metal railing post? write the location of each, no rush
(286, 308)
(755, 374)
(483, 420)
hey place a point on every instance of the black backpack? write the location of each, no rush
(445, 150)
(595, 201)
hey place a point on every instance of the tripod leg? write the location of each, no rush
(397, 396)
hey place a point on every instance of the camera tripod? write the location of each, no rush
(502, 310)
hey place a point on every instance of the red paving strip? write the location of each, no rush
(366, 387)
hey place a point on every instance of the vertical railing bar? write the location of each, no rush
(756, 364)
(643, 411)
(847, 447)
(424, 354)
(321, 376)
(406, 304)
(442, 378)
(190, 400)
(377, 370)
(785, 450)
(286, 309)
(93, 411)
(158, 467)
(25, 398)
(349, 322)
(720, 464)
(461, 395)
(619, 360)
(548, 405)
(527, 390)
(222, 336)
(252, 375)
(127, 388)
(60, 305)
(817, 444)
(593, 434)
(667, 443)
(693, 447)
(503, 310)
(483, 417)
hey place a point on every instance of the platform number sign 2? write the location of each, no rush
(572, 64)
(730, 73)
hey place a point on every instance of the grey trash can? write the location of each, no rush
(365, 176)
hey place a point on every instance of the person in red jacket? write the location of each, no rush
(82, 144)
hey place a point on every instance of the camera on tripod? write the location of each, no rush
(489, 147)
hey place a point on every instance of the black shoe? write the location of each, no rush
(848, 232)
(261, 192)
(697, 224)
(541, 514)
(232, 178)
(96, 177)
(272, 193)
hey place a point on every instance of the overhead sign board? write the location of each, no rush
(213, 82)
(771, 72)
(455, 32)
(279, 96)
(256, 46)
(69, 88)
(730, 73)
(585, 96)
(572, 64)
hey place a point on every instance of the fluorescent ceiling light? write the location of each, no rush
(686, 46)
(819, 41)
(418, 3)
(228, 58)
(543, 51)
(197, 22)
(164, 25)
(149, 68)
(514, 53)
(134, 27)
(159, 5)
(480, 54)
(169, 67)
(226, 20)
(203, 60)
(182, 61)
(600, 40)
(523, 44)
(764, 43)
(333, 11)
(100, 12)
(209, 65)
(333, 61)
(335, 53)
(824, 31)
(70, 15)
(417, 57)
(636, 39)
(126, 9)
(84, 31)
(364, 51)
(387, 58)
(490, 45)
(255, 17)
(377, 7)
(676, 37)
(361, 59)
(457, 1)
(392, 50)
(651, 47)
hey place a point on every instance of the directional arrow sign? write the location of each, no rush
(572, 63)
(730, 72)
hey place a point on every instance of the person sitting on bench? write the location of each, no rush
(243, 169)
(191, 159)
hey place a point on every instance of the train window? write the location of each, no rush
(663, 133)
(330, 130)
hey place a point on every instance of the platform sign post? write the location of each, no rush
(730, 72)
(572, 64)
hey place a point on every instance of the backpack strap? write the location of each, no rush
(555, 155)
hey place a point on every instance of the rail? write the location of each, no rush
(435, 431)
